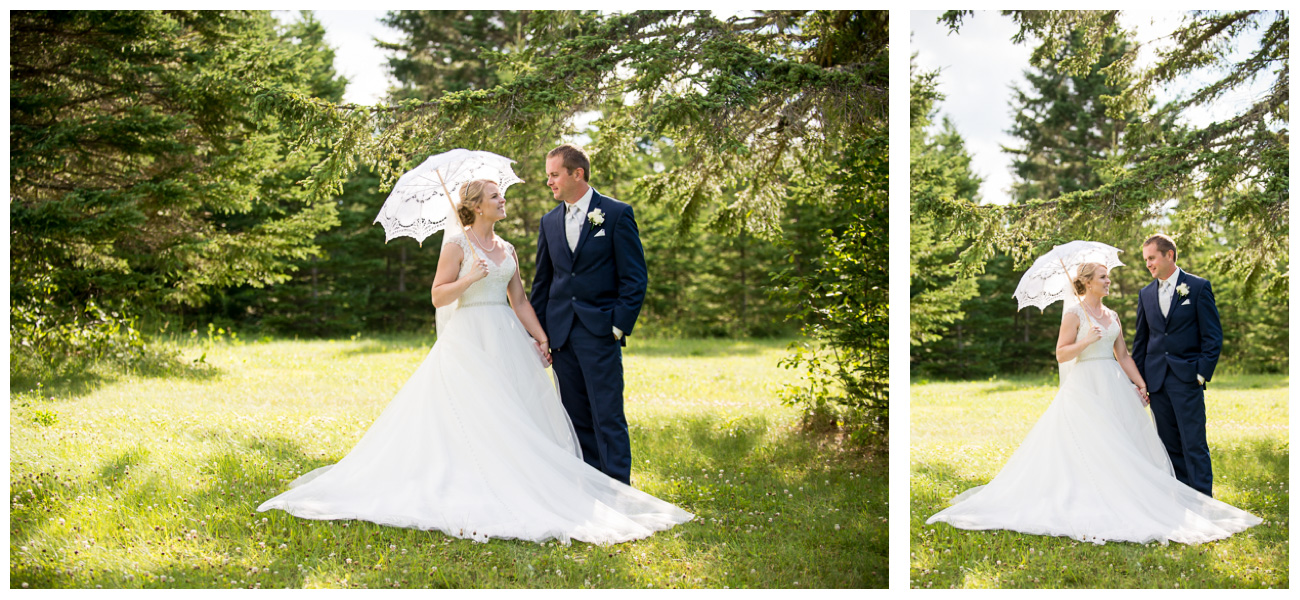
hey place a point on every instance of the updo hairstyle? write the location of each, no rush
(1087, 272)
(471, 195)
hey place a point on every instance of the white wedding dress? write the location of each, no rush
(477, 445)
(1093, 468)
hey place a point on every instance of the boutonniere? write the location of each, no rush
(596, 218)
(1182, 290)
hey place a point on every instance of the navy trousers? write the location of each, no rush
(1179, 410)
(590, 370)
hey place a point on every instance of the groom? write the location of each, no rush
(590, 282)
(1175, 347)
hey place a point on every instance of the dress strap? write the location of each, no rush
(458, 238)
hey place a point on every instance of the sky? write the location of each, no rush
(979, 66)
(351, 33)
(976, 71)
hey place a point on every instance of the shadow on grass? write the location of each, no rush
(388, 345)
(800, 500)
(68, 385)
(79, 381)
(1017, 386)
(117, 468)
(702, 348)
(946, 481)
(1248, 382)
(1258, 474)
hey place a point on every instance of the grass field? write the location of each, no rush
(962, 434)
(134, 481)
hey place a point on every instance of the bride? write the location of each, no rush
(476, 444)
(1093, 467)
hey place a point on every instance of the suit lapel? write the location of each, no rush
(554, 222)
(1176, 299)
(586, 224)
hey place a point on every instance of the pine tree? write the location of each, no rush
(1062, 123)
(940, 172)
(141, 176)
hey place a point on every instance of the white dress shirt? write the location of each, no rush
(574, 214)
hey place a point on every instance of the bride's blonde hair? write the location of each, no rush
(1087, 272)
(471, 195)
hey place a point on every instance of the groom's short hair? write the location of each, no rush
(573, 158)
(1163, 244)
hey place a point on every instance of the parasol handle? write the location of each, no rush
(455, 213)
(1076, 296)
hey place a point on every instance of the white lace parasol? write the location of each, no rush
(422, 200)
(1048, 280)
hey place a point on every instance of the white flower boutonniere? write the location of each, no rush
(596, 217)
(1182, 290)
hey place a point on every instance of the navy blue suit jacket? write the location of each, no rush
(601, 283)
(1185, 343)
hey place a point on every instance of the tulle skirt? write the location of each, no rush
(1093, 469)
(477, 445)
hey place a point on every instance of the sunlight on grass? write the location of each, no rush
(135, 481)
(963, 432)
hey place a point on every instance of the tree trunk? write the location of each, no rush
(744, 289)
(401, 273)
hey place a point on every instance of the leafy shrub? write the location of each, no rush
(844, 305)
(50, 336)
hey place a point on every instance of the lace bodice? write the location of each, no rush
(1104, 347)
(490, 289)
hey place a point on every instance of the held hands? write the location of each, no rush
(1143, 395)
(543, 351)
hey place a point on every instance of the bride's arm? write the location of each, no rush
(1130, 367)
(524, 309)
(1068, 345)
(446, 287)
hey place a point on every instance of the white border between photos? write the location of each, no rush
(899, 294)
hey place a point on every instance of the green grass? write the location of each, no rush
(152, 481)
(962, 434)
